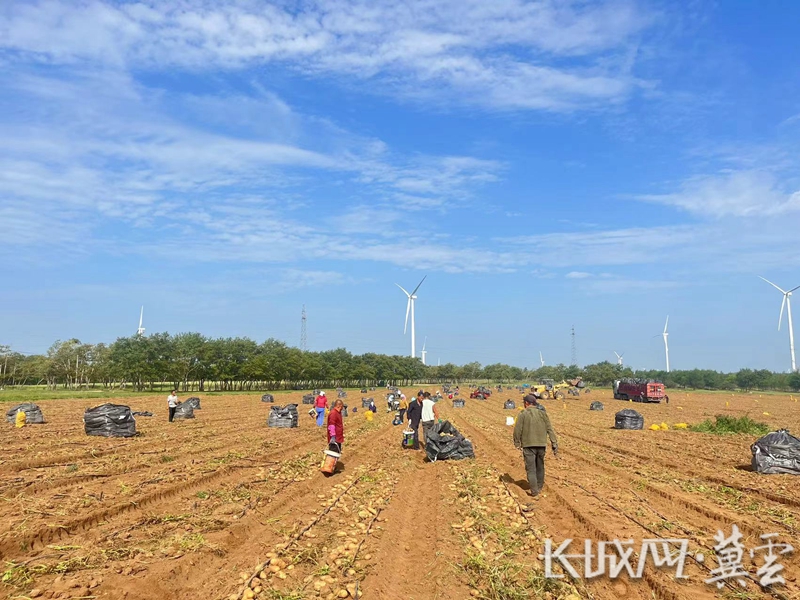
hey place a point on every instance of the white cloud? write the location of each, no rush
(294, 279)
(91, 150)
(577, 275)
(464, 51)
(736, 193)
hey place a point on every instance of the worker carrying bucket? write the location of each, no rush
(335, 439)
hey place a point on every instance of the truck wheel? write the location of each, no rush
(559, 396)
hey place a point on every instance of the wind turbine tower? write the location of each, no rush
(424, 352)
(410, 310)
(619, 358)
(140, 331)
(541, 359)
(303, 333)
(787, 302)
(665, 335)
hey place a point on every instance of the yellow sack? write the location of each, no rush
(654, 427)
(680, 426)
(664, 427)
(368, 415)
(21, 418)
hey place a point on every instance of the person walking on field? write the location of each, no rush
(414, 418)
(336, 427)
(403, 406)
(172, 403)
(530, 434)
(320, 404)
(430, 412)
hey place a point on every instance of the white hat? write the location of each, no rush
(322, 393)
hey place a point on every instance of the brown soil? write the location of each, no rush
(186, 508)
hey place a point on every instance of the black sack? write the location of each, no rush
(283, 416)
(509, 405)
(443, 442)
(184, 410)
(109, 420)
(628, 419)
(194, 402)
(309, 399)
(596, 405)
(458, 403)
(142, 413)
(777, 452)
(365, 402)
(33, 414)
(268, 398)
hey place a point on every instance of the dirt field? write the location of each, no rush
(193, 509)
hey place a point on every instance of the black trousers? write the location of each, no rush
(534, 467)
(415, 428)
(172, 413)
(402, 414)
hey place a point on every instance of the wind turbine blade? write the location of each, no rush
(424, 343)
(420, 283)
(793, 289)
(404, 289)
(783, 305)
(141, 316)
(773, 285)
(408, 308)
(665, 324)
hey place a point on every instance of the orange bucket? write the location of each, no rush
(329, 462)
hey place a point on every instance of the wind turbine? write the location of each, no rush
(666, 343)
(140, 331)
(541, 360)
(410, 308)
(619, 358)
(788, 304)
(424, 352)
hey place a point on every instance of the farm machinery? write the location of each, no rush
(548, 388)
(640, 390)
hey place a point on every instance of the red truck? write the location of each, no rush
(639, 390)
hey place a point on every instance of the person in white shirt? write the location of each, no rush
(430, 412)
(172, 403)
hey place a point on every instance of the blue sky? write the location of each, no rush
(544, 163)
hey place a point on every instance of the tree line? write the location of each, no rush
(193, 362)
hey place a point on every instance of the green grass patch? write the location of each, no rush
(725, 425)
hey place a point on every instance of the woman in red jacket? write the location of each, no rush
(336, 427)
(320, 404)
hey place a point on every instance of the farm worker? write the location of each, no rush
(530, 434)
(389, 402)
(372, 407)
(414, 417)
(320, 404)
(336, 427)
(430, 412)
(403, 406)
(172, 404)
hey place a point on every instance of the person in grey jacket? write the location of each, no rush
(531, 432)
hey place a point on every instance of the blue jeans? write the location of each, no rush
(320, 416)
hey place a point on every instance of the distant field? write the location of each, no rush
(185, 508)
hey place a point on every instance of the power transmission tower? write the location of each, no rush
(574, 348)
(303, 338)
